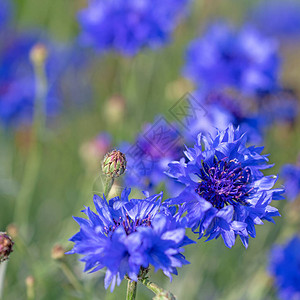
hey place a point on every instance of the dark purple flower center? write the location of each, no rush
(224, 183)
(128, 224)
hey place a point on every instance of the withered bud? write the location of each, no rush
(58, 252)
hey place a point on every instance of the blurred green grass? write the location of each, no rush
(64, 186)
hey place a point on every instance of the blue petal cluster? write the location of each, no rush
(267, 13)
(17, 79)
(226, 193)
(291, 176)
(128, 26)
(284, 266)
(5, 12)
(148, 157)
(127, 235)
(222, 57)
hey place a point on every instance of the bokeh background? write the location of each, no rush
(116, 95)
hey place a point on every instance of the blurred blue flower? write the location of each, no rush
(222, 57)
(127, 235)
(284, 266)
(148, 157)
(5, 12)
(226, 193)
(17, 79)
(128, 26)
(221, 109)
(291, 176)
(278, 18)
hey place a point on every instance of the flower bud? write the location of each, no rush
(38, 54)
(114, 164)
(58, 252)
(6, 245)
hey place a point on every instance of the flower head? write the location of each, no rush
(245, 60)
(128, 26)
(291, 176)
(6, 246)
(226, 193)
(284, 266)
(148, 157)
(127, 235)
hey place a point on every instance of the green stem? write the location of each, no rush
(2, 277)
(32, 167)
(131, 290)
(70, 276)
(108, 185)
(156, 289)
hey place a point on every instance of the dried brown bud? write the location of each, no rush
(6, 246)
(58, 252)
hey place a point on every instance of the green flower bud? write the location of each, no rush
(114, 164)
(6, 245)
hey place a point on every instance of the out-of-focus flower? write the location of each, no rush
(127, 235)
(278, 18)
(5, 12)
(93, 151)
(6, 246)
(284, 266)
(223, 57)
(216, 110)
(17, 78)
(115, 109)
(291, 176)
(128, 26)
(226, 193)
(148, 157)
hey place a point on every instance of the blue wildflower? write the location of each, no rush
(284, 266)
(17, 79)
(291, 176)
(266, 16)
(226, 193)
(5, 12)
(128, 26)
(127, 235)
(148, 157)
(245, 60)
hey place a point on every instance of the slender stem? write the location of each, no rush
(156, 289)
(131, 290)
(70, 276)
(2, 277)
(108, 185)
(32, 167)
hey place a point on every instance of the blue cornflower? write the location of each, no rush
(226, 193)
(17, 79)
(284, 266)
(127, 235)
(148, 157)
(278, 18)
(291, 176)
(5, 12)
(128, 26)
(222, 57)
(216, 109)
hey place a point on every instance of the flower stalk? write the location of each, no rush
(131, 290)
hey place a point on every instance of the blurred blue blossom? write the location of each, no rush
(278, 18)
(127, 235)
(5, 12)
(226, 193)
(291, 176)
(17, 79)
(148, 157)
(223, 57)
(128, 26)
(284, 266)
(222, 110)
